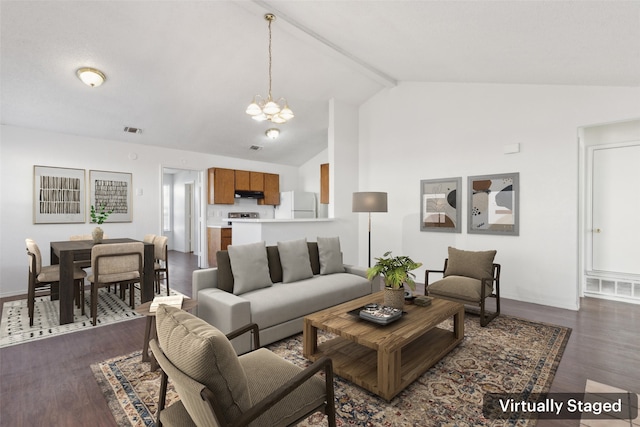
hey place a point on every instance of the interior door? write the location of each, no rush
(616, 209)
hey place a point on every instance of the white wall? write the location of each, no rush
(21, 149)
(424, 131)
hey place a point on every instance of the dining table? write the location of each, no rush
(65, 253)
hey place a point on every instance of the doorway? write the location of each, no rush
(183, 211)
(611, 201)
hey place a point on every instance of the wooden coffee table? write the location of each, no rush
(384, 359)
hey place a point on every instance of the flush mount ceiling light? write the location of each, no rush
(91, 76)
(272, 133)
(262, 109)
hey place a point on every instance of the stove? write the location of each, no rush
(247, 215)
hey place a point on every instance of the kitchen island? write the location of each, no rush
(273, 231)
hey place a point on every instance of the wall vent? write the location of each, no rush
(255, 147)
(130, 129)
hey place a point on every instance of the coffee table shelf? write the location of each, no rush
(384, 359)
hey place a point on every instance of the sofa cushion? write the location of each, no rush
(249, 266)
(314, 257)
(269, 307)
(470, 264)
(460, 288)
(205, 354)
(225, 275)
(275, 268)
(329, 255)
(294, 258)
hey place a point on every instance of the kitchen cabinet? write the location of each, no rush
(221, 186)
(224, 182)
(218, 239)
(271, 189)
(256, 179)
(324, 183)
(243, 181)
(249, 181)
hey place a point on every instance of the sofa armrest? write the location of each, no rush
(356, 269)
(376, 283)
(203, 279)
(227, 312)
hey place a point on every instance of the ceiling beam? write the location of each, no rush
(321, 42)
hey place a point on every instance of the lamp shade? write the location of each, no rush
(369, 201)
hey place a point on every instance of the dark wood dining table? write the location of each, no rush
(66, 252)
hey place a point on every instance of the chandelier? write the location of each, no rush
(262, 109)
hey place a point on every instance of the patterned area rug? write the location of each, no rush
(510, 355)
(15, 329)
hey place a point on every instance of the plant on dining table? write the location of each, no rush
(99, 216)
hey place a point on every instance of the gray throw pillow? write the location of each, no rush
(249, 267)
(294, 257)
(330, 255)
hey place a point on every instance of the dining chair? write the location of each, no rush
(115, 263)
(42, 279)
(161, 266)
(148, 238)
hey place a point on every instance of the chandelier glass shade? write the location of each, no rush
(261, 109)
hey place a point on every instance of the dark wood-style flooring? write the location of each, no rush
(49, 382)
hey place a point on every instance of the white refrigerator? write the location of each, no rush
(296, 204)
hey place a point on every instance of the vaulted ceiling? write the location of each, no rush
(184, 71)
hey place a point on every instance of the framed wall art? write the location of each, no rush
(494, 204)
(113, 191)
(58, 195)
(440, 204)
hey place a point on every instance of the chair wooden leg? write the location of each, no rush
(486, 318)
(94, 303)
(166, 280)
(31, 303)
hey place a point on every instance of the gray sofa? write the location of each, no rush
(303, 277)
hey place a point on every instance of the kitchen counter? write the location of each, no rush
(273, 220)
(218, 226)
(273, 231)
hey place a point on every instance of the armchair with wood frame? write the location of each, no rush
(469, 278)
(219, 388)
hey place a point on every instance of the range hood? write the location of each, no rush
(245, 194)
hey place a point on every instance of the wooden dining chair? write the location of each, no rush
(148, 238)
(42, 279)
(115, 263)
(161, 265)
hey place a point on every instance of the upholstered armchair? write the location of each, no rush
(219, 388)
(469, 278)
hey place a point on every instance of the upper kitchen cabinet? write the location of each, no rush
(324, 183)
(221, 186)
(271, 190)
(249, 181)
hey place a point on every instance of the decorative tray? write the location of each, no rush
(377, 313)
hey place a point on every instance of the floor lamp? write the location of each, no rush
(369, 201)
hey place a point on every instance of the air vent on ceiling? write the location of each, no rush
(255, 147)
(130, 129)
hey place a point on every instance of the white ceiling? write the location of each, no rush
(184, 71)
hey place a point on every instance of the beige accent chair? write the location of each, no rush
(115, 263)
(42, 279)
(148, 238)
(469, 278)
(219, 388)
(161, 266)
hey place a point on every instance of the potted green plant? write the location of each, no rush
(395, 271)
(98, 217)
